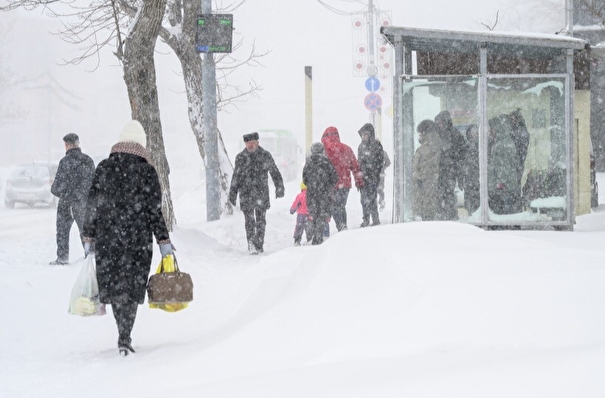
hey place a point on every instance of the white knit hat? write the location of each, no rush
(133, 132)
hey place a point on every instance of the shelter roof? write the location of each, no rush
(448, 41)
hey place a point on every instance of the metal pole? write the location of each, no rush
(209, 114)
(371, 35)
(308, 109)
(569, 17)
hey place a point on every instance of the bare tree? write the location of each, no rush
(9, 112)
(491, 27)
(135, 51)
(140, 79)
(98, 24)
(182, 15)
(595, 10)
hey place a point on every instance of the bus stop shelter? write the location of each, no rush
(492, 85)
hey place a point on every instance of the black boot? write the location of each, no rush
(124, 346)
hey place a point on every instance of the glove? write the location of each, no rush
(279, 193)
(292, 211)
(87, 247)
(359, 181)
(166, 249)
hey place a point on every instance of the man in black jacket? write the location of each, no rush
(250, 180)
(320, 177)
(370, 155)
(71, 186)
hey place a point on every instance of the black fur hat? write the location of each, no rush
(251, 137)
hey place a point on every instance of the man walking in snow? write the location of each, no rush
(250, 180)
(71, 186)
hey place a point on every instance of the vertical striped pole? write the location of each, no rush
(308, 109)
(209, 114)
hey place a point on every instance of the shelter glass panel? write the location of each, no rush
(527, 154)
(438, 114)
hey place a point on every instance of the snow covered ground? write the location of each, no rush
(407, 310)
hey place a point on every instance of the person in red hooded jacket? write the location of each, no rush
(344, 161)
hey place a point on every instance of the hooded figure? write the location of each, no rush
(371, 161)
(250, 180)
(503, 187)
(123, 214)
(320, 177)
(344, 162)
(425, 173)
(453, 152)
(303, 224)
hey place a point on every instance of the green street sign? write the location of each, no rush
(214, 33)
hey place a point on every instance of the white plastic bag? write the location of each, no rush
(85, 293)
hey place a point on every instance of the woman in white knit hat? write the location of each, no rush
(123, 212)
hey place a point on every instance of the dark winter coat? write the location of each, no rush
(470, 182)
(342, 158)
(320, 177)
(74, 176)
(250, 179)
(123, 211)
(453, 147)
(425, 177)
(520, 137)
(503, 186)
(370, 156)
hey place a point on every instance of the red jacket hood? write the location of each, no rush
(342, 157)
(330, 135)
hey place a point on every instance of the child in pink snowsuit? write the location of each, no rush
(299, 206)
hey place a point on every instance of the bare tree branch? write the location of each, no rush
(492, 27)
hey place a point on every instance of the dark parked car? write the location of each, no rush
(30, 184)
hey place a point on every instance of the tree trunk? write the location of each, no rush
(183, 46)
(140, 79)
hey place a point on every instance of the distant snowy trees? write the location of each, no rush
(8, 112)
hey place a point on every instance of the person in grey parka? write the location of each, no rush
(425, 173)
